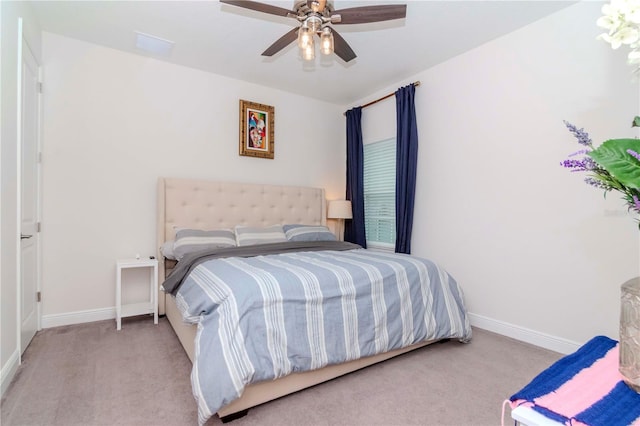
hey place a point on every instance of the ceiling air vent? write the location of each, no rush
(153, 44)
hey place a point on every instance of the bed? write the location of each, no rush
(185, 205)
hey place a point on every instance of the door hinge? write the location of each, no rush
(38, 227)
(39, 296)
(40, 87)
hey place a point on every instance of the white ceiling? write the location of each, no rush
(229, 40)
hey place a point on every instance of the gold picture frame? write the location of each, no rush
(256, 130)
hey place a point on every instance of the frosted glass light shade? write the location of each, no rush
(309, 52)
(305, 36)
(339, 209)
(326, 41)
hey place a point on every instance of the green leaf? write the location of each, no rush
(612, 155)
(636, 122)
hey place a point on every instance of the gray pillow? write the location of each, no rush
(308, 233)
(167, 250)
(190, 240)
(248, 235)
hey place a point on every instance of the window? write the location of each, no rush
(380, 194)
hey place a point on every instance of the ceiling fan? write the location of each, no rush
(316, 17)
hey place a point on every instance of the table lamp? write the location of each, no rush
(341, 210)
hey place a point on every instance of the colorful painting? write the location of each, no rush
(256, 130)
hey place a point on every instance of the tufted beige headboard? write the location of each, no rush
(199, 204)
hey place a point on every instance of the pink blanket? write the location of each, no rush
(584, 388)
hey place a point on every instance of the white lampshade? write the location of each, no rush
(339, 209)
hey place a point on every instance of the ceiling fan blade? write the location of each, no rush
(260, 7)
(341, 48)
(282, 42)
(365, 14)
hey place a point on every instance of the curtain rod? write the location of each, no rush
(416, 84)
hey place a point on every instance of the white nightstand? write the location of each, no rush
(150, 307)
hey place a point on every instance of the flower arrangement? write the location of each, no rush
(613, 166)
(621, 19)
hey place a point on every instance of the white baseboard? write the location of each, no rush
(9, 371)
(533, 337)
(537, 338)
(78, 317)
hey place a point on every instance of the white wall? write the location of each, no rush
(114, 123)
(539, 253)
(536, 250)
(9, 340)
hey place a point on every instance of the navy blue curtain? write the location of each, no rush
(354, 229)
(406, 165)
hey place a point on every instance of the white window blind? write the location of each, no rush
(380, 192)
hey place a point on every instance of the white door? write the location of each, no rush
(29, 180)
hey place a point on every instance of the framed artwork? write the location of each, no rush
(256, 130)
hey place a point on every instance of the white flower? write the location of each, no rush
(607, 22)
(621, 19)
(628, 35)
(633, 15)
(611, 9)
(624, 36)
(606, 37)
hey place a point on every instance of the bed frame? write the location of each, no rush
(202, 204)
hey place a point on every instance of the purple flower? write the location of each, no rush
(599, 176)
(580, 134)
(634, 154)
(582, 151)
(591, 164)
(597, 183)
(585, 164)
(575, 165)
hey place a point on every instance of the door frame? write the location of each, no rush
(23, 47)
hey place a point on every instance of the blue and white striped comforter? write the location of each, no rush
(264, 317)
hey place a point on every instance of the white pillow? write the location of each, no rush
(308, 233)
(190, 240)
(248, 235)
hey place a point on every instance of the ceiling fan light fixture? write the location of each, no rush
(309, 52)
(305, 36)
(313, 16)
(314, 23)
(326, 41)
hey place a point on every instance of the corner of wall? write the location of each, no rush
(78, 317)
(543, 340)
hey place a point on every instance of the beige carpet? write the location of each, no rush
(91, 374)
